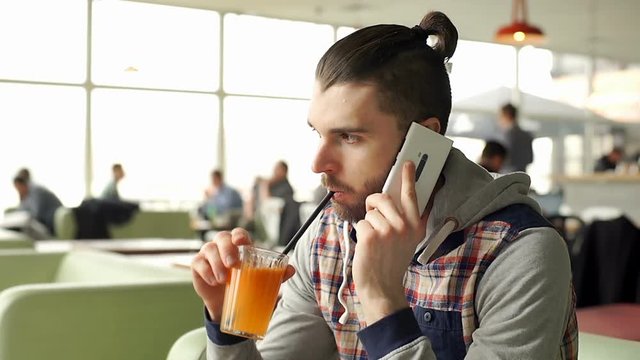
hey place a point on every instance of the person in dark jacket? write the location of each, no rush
(518, 141)
(609, 161)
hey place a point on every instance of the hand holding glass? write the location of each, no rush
(252, 291)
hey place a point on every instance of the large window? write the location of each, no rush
(573, 150)
(272, 57)
(165, 141)
(142, 45)
(166, 84)
(540, 168)
(275, 60)
(478, 67)
(42, 128)
(43, 40)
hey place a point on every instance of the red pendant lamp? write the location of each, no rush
(520, 32)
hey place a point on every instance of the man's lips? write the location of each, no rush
(338, 195)
(335, 190)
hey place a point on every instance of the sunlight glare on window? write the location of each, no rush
(573, 150)
(480, 67)
(274, 57)
(540, 169)
(535, 71)
(43, 40)
(343, 31)
(259, 132)
(47, 137)
(470, 147)
(166, 142)
(155, 46)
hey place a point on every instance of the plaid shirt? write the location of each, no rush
(441, 293)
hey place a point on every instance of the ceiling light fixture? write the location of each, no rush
(520, 32)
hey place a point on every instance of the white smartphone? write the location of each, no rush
(428, 150)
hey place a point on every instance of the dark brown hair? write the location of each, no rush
(510, 111)
(217, 173)
(410, 75)
(493, 148)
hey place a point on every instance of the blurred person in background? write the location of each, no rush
(223, 204)
(110, 191)
(25, 174)
(519, 143)
(39, 202)
(609, 161)
(493, 156)
(278, 186)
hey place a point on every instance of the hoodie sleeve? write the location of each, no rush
(524, 300)
(297, 329)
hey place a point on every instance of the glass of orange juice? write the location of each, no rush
(252, 291)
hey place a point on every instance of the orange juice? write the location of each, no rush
(250, 296)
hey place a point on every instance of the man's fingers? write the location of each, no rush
(383, 203)
(288, 273)
(378, 221)
(408, 191)
(228, 252)
(364, 230)
(217, 266)
(240, 236)
(200, 267)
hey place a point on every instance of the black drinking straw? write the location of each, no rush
(303, 228)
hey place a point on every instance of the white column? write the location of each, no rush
(589, 127)
(516, 94)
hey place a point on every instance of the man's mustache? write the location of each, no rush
(334, 184)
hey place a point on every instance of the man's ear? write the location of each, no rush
(432, 123)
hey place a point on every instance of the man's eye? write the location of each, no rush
(348, 138)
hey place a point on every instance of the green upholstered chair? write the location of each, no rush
(14, 240)
(143, 224)
(156, 224)
(91, 305)
(190, 346)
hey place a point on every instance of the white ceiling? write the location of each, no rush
(603, 28)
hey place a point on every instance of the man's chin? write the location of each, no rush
(348, 213)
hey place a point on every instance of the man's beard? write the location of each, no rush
(355, 211)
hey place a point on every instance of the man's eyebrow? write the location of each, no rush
(344, 129)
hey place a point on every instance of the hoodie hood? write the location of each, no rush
(469, 194)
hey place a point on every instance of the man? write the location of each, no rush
(110, 192)
(223, 204)
(518, 142)
(609, 161)
(278, 186)
(39, 202)
(481, 274)
(493, 156)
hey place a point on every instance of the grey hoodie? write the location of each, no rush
(520, 302)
